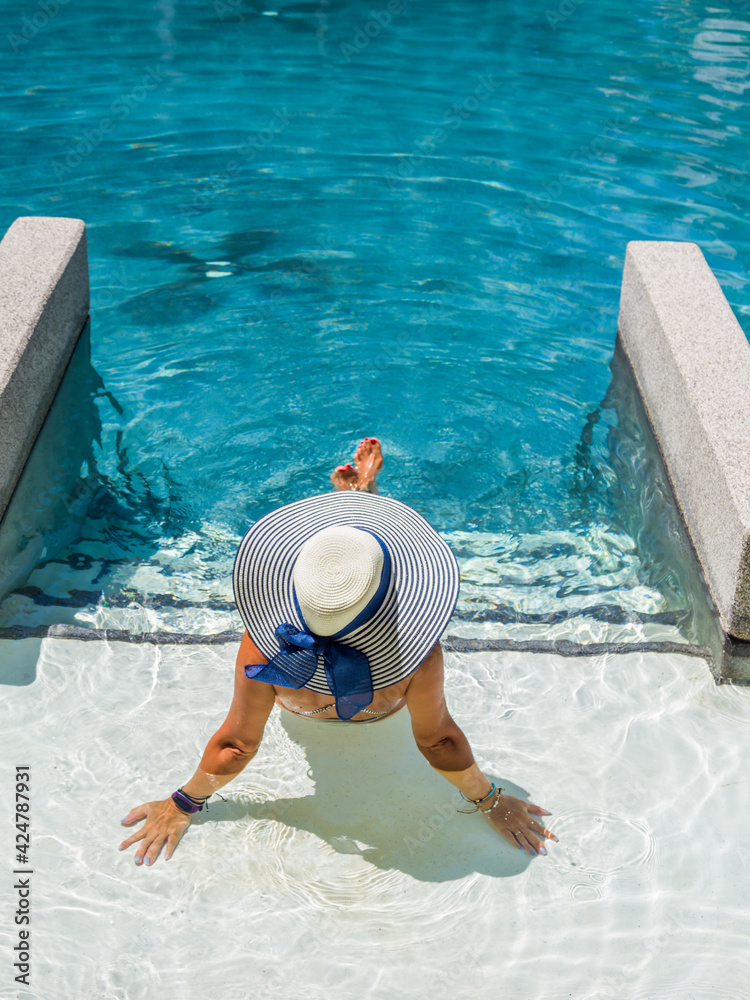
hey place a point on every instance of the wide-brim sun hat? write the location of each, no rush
(381, 596)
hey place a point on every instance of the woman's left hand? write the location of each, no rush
(514, 819)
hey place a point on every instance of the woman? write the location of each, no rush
(344, 596)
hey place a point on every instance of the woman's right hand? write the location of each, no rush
(514, 819)
(165, 824)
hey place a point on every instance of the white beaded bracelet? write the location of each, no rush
(497, 799)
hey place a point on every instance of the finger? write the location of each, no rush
(154, 850)
(136, 814)
(138, 835)
(504, 832)
(141, 852)
(172, 842)
(515, 838)
(538, 810)
(510, 837)
(539, 830)
(526, 843)
(537, 844)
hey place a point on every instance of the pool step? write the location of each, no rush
(553, 585)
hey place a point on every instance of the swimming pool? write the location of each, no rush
(307, 223)
(304, 243)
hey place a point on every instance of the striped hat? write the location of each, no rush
(389, 602)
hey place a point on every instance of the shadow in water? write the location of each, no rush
(18, 661)
(625, 474)
(377, 797)
(232, 247)
(63, 499)
(173, 303)
(644, 495)
(59, 480)
(194, 293)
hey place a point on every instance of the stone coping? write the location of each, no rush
(44, 303)
(691, 362)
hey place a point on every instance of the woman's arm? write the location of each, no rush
(237, 740)
(231, 747)
(445, 747)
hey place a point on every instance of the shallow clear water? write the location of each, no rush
(310, 881)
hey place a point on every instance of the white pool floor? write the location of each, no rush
(338, 867)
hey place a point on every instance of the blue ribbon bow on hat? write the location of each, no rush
(347, 669)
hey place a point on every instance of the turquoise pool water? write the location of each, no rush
(309, 222)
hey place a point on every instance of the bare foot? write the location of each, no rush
(345, 477)
(368, 459)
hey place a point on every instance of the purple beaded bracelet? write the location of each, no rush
(185, 802)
